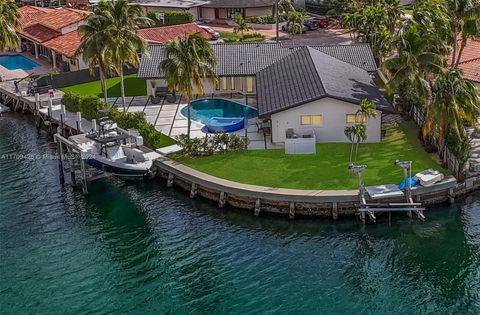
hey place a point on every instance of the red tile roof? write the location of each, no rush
(39, 33)
(163, 34)
(66, 44)
(61, 18)
(30, 15)
(470, 60)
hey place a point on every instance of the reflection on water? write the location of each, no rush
(138, 247)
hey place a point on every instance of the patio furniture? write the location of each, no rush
(162, 91)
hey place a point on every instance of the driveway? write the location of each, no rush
(329, 36)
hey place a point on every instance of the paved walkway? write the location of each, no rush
(167, 118)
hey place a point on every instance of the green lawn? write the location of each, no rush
(133, 87)
(325, 170)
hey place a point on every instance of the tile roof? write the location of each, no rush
(359, 55)
(470, 60)
(39, 33)
(240, 59)
(30, 15)
(66, 44)
(308, 75)
(61, 18)
(287, 83)
(163, 34)
(239, 3)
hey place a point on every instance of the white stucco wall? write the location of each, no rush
(334, 121)
(258, 11)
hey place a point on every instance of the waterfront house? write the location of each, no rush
(52, 35)
(315, 87)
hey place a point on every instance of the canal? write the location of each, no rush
(135, 247)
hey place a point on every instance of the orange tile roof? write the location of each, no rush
(39, 33)
(163, 34)
(66, 44)
(470, 60)
(30, 15)
(61, 18)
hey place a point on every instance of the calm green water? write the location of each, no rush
(139, 248)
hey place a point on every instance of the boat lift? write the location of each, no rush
(386, 191)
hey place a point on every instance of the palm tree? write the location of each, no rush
(413, 61)
(462, 12)
(124, 43)
(356, 134)
(92, 48)
(188, 61)
(9, 23)
(241, 26)
(454, 102)
(295, 23)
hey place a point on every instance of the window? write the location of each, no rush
(311, 120)
(353, 118)
(249, 84)
(224, 83)
(231, 12)
(232, 83)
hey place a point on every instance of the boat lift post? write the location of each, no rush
(361, 190)
(407, 174)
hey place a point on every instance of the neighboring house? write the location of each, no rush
(470, 61)
(317, 87)
(52, 34)
(192, 6)
(211, 10)
(163, 34)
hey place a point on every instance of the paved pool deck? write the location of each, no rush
(167, 118)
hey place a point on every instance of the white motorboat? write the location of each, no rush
(428, 177)
(112, 151)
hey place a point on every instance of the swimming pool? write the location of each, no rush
(14, 62)
(204, 109)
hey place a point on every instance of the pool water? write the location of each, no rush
(14, 62)
(203, 110)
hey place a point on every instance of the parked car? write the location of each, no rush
(214, 35)
(321, 21)
(311, 24)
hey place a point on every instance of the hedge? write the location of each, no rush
(247, 37)
(172, 18)
(90, 105)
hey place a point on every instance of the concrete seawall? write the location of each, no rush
(292, 202)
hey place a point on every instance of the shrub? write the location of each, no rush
(248, 37)
(172, 18)
(90, 105)
(218, 142)
(266, 19)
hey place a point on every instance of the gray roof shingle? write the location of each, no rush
(309, 75)
(248, 58)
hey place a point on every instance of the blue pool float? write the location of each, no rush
(225, 124)
(403, 184)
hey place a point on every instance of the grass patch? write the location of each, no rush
(325, 170)
(133, 87)
(407, 11)
(230, 37)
